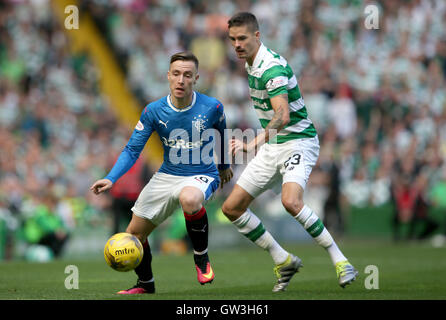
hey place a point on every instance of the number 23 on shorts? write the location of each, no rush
(292, 161)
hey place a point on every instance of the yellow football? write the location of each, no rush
(123, 252)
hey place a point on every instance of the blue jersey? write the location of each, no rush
(188, 136)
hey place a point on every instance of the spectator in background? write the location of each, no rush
(333, 217)
(44, 226)
(421, 225)
(342, 112)
(404, 196)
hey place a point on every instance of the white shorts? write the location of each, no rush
(160, 197)
(276, 164)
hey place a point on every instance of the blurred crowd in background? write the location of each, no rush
(377, 99)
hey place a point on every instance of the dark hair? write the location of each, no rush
(184, 56)
(244, 19)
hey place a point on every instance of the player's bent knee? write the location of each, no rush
(293, 206)
(225, 209)
(140, 233)
(231, 212)
(140, 236)
(190, 201)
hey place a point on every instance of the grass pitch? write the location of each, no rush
(406, 272)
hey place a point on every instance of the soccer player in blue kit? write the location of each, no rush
(185, 121)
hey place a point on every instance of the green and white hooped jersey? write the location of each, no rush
(269, 76)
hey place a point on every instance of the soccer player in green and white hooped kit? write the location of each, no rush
(288, 149)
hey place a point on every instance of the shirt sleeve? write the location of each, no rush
(220, 126)
(275, 80)
(142, 132)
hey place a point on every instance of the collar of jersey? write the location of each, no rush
(169, 102)
(259, 57)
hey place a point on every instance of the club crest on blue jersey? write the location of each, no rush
(199, 123)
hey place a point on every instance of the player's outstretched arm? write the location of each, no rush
(101, 185)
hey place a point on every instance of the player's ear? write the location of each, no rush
(196, 78)
(257, 35)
